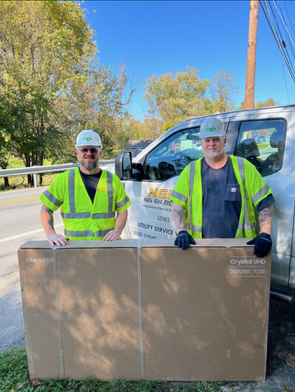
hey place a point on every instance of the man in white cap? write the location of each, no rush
(216, 196)
(89, 197)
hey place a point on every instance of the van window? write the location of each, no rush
(262, 142)
(170, 157)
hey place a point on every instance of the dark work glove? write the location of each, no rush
(262, 243)
(183, 240)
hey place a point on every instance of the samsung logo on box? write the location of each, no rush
(39, 260)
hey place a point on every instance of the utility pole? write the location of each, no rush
(251, 58)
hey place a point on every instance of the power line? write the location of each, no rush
(288, 18)
(291, 42)
(286, 82)
(279, 39)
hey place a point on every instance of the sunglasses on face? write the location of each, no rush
(92, 150)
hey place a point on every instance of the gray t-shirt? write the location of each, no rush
(222, 201)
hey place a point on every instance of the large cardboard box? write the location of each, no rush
(143, 309)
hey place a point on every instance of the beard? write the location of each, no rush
(89, 166)
(214, 154)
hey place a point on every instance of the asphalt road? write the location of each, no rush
(20, 222)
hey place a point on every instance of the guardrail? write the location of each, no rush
(35, 170)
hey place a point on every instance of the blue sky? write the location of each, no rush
(156, 37)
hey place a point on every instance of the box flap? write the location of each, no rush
(100, 244)
(206, 242)
(36, 245)
(82, 244)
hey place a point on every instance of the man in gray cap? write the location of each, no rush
(216, 196)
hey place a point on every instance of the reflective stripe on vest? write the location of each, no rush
(104, 215)
(87, 233)
(72, 191)
(197, 229)
(110, 190)
(75, 215)
(122, 202)
(52, 199)
(192, 171)
(241, 226)
(260, 193)
(245, 225)
(86, 215)
(179, 196)
(81, 215)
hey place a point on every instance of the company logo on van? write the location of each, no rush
(159, 196)
(160, 193)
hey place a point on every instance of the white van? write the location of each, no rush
(265, 136)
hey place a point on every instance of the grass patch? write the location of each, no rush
(14, 373)
(21, 182)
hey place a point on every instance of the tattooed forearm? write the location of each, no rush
(265, 219)
(178, 216)
(50, 221)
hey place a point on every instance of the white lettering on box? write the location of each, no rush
(39, 260)
(259, 261)
(244, 268)
(240, 271)
(241, 262)
(238, 262)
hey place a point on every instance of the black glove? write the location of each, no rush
(262, 243)
(183, 240)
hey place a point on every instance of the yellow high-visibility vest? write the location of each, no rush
(84, 220)
(189, 195)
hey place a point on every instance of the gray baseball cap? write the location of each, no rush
(212, 127)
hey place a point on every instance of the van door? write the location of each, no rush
(264, 139)
(150, 214)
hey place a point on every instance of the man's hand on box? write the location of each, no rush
(262, 243)
(183, 240)
(57, 239)
(112, 235)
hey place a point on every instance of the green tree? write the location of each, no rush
(45, 55)
(152, 128)
(96, 105)
(260, 104)
(167, 125)
(4, 139)
(4, 155)
(222, 92)
(177, 96)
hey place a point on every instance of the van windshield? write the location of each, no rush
(174, 154)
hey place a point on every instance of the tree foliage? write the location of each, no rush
(176, 96)
(260, 104)
(222, 92)
(173, 98)
(167, 125)
(50, 83)
(44, 49)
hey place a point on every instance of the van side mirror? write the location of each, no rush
(125, 169)
(138, 172)
(123, 165)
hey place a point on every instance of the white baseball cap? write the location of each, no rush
(212, 127)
